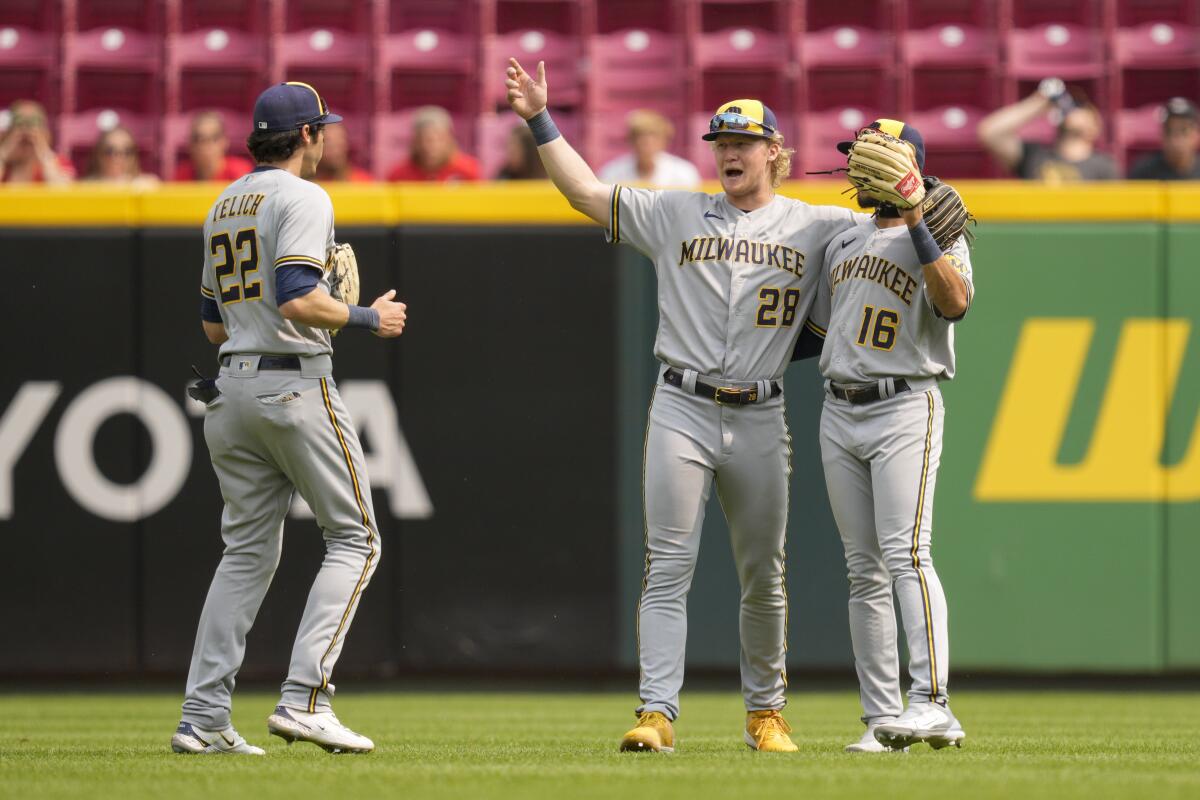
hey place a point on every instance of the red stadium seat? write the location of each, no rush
(114, 47)
(216, 48)
(457, 17)
(1140, 127)
(1070, 52)
(950, 46)
(428, 66)
(1156, 45)
(822, 131)
(832, 89)
(636, 69)
(1033, 13)
(27, 47)
(561, 54)
(1135, 12)
(323, 47)
(923, 14)
(740, 48)
(876, 14)
(429, 49)
(951, 145)
(847, 46)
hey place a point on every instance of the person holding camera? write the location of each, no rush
(1072, 156)
(25, 152)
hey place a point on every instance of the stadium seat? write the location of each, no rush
(428, 66)
(1034, 13)
(27, 47)
(949, 46)
(113, 47)
(924, 14)
(618, 15)
(1140, 127)
(636, 69)
(952, 147)
(1157, 45)
(1070, 52)
(846, 45)
(822, 130)
(560, 52)
(875, 14)
(456, 17)
(1130, 13)
(739, 48)
(831, 89)
(429, 49)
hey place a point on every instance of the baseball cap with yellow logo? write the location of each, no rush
(747, 117)
(291, 105)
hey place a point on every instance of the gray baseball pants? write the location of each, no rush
(881, 462)
(690, 443)
(269, 434)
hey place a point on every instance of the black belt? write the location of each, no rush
(721, 395)
(866, 393)
(271, 362)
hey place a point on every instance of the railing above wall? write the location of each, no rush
(176, 205)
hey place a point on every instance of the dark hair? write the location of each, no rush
(269, 147)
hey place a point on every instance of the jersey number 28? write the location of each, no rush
(770, 298)
(236, 290)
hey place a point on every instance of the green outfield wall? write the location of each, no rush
(505, 433)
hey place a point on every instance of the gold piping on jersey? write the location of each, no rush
(305, 259)
(916, 538)
(615, 214)
(324, 109)
(787, 506)
(206, 292)
(366, 521)
(815, 328)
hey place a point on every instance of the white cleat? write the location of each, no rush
(190, 739)
(322, 729)
(869, 744)
(932, 723)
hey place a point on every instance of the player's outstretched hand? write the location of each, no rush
(391, 315)
(526, 95)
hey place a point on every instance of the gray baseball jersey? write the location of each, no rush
(881, 458)
(886, 325)
(734, 287)
(734, 290)
(263, 221)
(278, 427)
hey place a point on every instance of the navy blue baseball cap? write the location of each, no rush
(895, 127)
(291, 105)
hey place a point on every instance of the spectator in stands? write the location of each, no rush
(521, 160)
(434, 153)
(650, 163)
(1073, 155)
(1177, 160)
(335, 163)
(114, 159)
(208, 151)
(25, 152)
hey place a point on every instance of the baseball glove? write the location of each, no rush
(945, 214)
(884, 167)
(342, 267)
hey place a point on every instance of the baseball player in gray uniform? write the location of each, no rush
(275, 425)
(735, 284)
(894, 298)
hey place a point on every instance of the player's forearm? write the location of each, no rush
(573, 177)
(946, 288)
(998, 130)
(316, 309)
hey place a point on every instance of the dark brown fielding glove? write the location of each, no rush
(945, 214)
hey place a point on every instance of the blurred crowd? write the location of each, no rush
(27, 153)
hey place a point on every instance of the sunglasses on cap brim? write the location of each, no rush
(737, 122)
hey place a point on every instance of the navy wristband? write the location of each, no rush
(363, 317)
(543, 127)
(927, 249)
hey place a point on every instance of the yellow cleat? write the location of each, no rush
(653, 734)
(767, 732)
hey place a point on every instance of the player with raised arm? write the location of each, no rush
(896, 284)
(275, 425)
(734, 290)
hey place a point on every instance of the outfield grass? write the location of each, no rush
(1019, 745)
